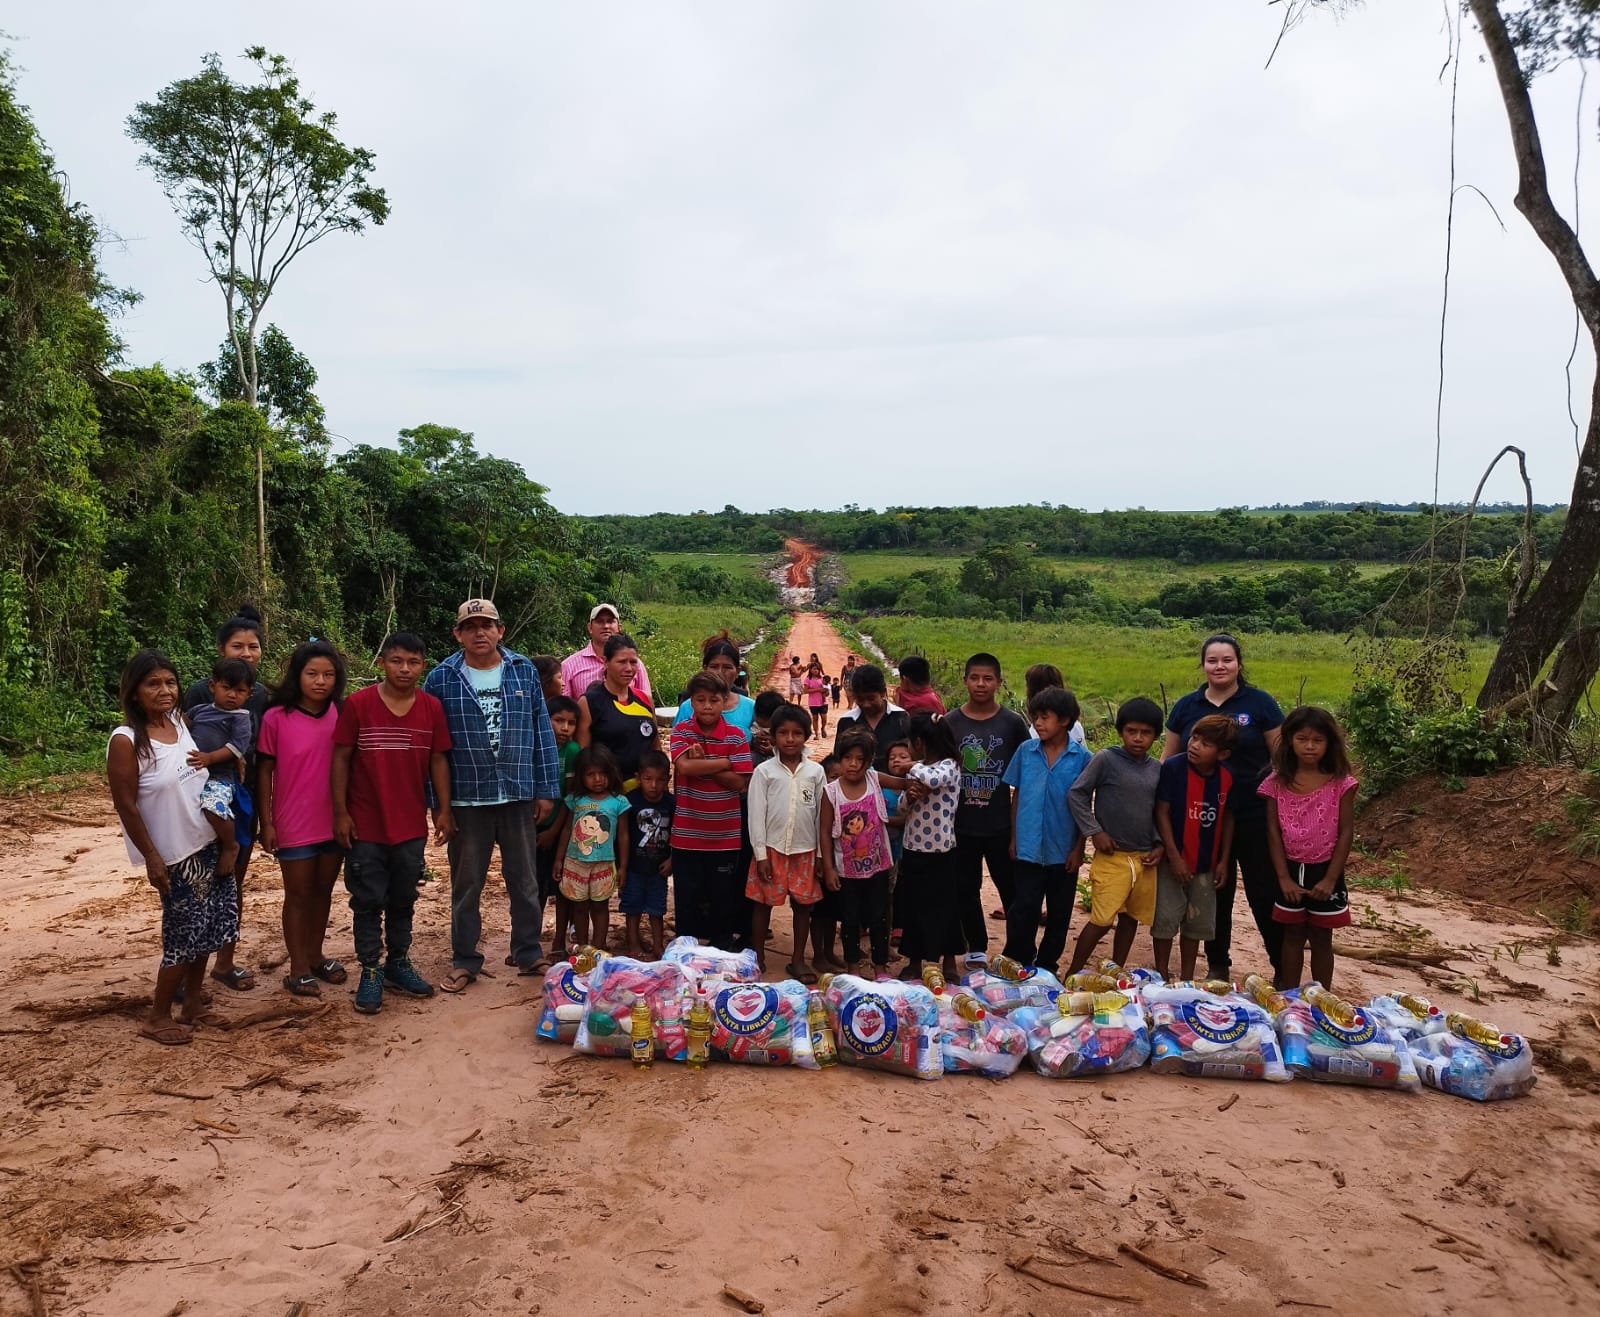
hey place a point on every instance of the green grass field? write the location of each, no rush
(1105, 665)
(672, 634)
(1134, 578)
(754, 565)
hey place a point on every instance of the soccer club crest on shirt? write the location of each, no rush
(1242, 719)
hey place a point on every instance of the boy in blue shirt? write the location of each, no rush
(1044, 840)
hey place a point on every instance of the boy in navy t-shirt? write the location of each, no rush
(1194, 816)
(644, 888)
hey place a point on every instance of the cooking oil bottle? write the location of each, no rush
(698, 1031)
(641, 1044)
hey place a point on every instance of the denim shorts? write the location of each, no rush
(309, 852)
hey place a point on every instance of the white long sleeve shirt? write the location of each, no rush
(785, 806)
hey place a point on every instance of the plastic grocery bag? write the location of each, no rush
(1196, 1033)
(1320, 1047)
(1036, 987)
(1103, 1041)
(614, 985)
(1412, 1017)
(735, 966)
(566, 994)
(885, 1026)
(1482, 1072)
(759, 1023)
(992, 1046)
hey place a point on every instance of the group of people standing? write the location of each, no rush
(559, 765)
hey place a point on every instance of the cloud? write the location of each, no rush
(687, 254)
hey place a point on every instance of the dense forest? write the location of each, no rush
(126, 494)
(1357, 534)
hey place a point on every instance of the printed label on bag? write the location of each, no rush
(1215, 1021)
(746, 1010)
(868, 1024)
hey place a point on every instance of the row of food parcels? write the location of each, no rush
(699, 1003)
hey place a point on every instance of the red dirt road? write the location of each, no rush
(803, 559)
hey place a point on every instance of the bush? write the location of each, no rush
(1393, 743)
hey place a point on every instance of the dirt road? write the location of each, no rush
(437, 1158)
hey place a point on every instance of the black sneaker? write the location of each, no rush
(369, 991)
(399, 973)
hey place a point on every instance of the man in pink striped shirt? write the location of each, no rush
(713, 766)
(581, 670)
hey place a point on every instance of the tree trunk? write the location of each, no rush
(261, 521)
(1571, 675)
(1535, 630)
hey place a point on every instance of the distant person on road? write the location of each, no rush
(847, 680)
(916, 693)
(1258, 719)
(987, 734)
(797, 677)
(816, 688)
(582, 668)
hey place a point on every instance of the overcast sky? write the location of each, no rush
(800, 253)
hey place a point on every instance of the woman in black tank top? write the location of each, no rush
(613, 714)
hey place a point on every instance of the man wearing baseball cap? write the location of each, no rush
(504, 781)
(581, 670)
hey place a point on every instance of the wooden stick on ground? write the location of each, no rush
(179, 1093)
(1161, 1268)
(1022, 1265)
(748, 1302)
(275, 1013)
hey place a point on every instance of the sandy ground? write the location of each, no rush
(438, 1159)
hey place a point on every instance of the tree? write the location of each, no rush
(256, 176)
(1524, 38)
(286, 387)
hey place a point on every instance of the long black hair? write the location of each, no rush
(134, 672)
(286, 694)
(934, 736)
(245, 618)
(1309, 718)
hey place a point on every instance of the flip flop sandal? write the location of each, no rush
(330, 971)
(538, 967)
(210, 1019)
(238, 978)
(169, 1035)
(304, 986)
(804, 973)
(457, 980)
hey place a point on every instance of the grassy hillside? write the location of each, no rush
(1141, 577)
(1106, 665)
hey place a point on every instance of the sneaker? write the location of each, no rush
(401, 974)
(976, 960)
(369, 991)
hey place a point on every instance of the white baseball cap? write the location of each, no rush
(605, 608)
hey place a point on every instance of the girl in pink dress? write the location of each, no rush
(1311, 823)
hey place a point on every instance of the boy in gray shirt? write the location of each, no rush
(1113, 802)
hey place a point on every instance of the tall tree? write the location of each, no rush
(1524, 38)
(256, 175)
(286, 386)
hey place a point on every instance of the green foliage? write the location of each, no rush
(1392, 742)
(285, 388)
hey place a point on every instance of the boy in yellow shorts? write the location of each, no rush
(1113, 802)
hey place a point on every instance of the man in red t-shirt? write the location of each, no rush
(391, 743)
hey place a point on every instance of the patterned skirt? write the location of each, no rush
(200, 912)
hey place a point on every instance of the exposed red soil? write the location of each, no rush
(1507, 838)
(803, 559)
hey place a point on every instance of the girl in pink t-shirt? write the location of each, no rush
(1311, 823)
(295, 757)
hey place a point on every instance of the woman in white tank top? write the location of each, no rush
(157, 794)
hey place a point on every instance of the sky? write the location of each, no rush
(804, 253)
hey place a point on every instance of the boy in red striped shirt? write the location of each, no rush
(712, 767)
(1194, 818)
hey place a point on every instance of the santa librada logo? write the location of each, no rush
(746, 1009)
(869, 1024)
